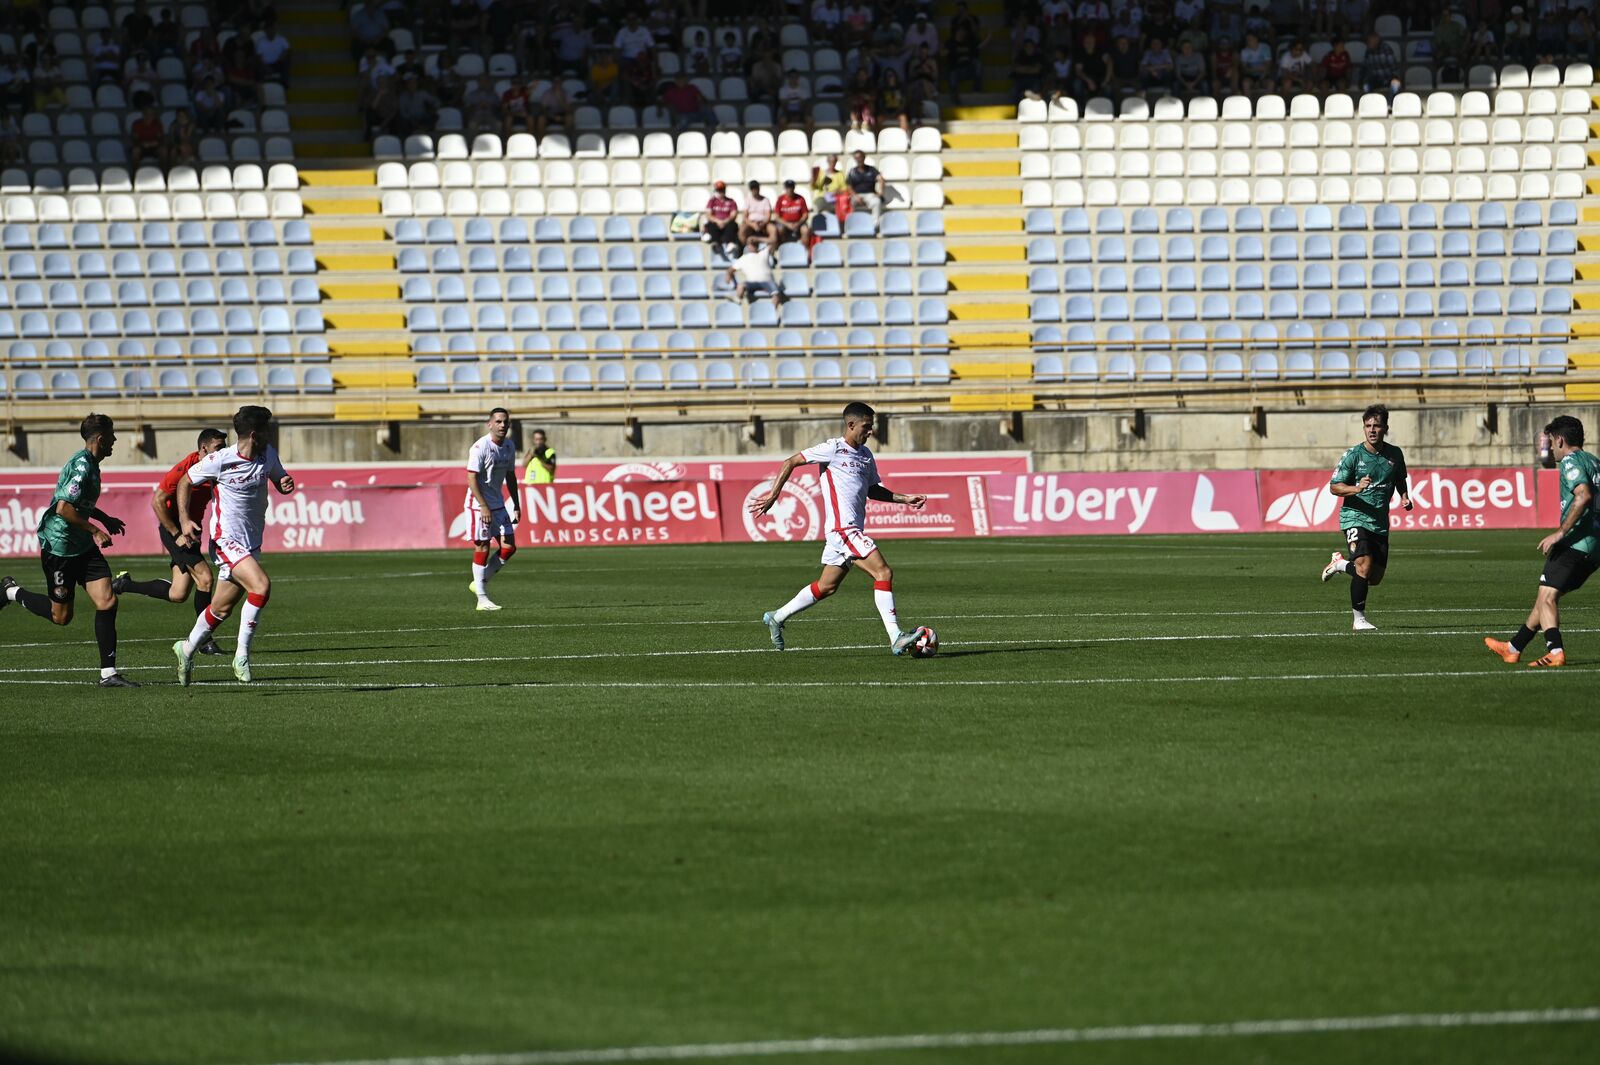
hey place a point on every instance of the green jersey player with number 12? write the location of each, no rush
(1367, 478)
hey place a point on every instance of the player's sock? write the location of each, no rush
(480, 567)
(1358, 593)
(498, 561)
(201, 601)
(806, 597)
(1343, 566)
(1552, 639)
(883, 596)
(1523, 637)
(253, 606)
(154, 589)
(201, 631)
(105, 636)
(32, 602)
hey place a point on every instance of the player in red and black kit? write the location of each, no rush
(791, 218)
(188, 564)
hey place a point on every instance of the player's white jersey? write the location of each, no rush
(239, 513)
(492, 465)
(847, 473)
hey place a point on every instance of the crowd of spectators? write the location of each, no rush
(144, 54)
(1187, 48)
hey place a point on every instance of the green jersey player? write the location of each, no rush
(1367, 478)
(1572, 552)
(69, 548)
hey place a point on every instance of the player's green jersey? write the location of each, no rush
(1370, 509)
(1580, 467)
(79, 484)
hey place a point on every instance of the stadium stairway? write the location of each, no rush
(323, 105)
(1586, 289)
(988, 276)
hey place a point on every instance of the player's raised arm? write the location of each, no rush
(883, 494)
(763, 503)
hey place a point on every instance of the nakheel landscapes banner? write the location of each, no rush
(385, 508)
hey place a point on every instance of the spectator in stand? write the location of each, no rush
(515, 112)
(1294, 70)
(1093, 16)
(369, 28)
(698, 56)
(481, 106)
(857, 23)
(1124, 69)
(1027, 72)
(1336, 68)
(107, 62)
(686, 104)
(1156, 67)
(1126, 25)
(757, 222)
(205, 47)
(633, 38)
(139, 80)
(1550, 34)
(166, 39)
(964, 57)
(464, 19)
(181, 137)
(10, 138)
(1257, 23)
(1518, 37)
(863, 95)
(555, 109)
(416, 109)
(791, 218)
(211, 107)
(794, 102)
(1189, 72)
(16, 85)
(605, 77)
(866, 186)
(730, 57)
(381, 107)
(639, 76)
(752, 276)
(374, 65)
(1450, 39)
(721, 229)
(1058, 79)
(663, 26)
(827, 183)
(272, 49)
(1380, 66)
(1580, 34)
(571, 42)
(765, 78)
(892, 102)
(1255, 65)
(922, 32)
(827, 20)
(148, 139)
(1485, 46)
(136, 27)
(49, 92)
(1225, 68)
(923, 83)
(1091, 70)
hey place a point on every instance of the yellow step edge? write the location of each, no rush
(987, 312)
(1592, 186)
(339, 179)
(372, 349)
(1591, 214)
(355, 264)
(380, 411)
(1589, 243)
(1589, 271)
(1594, 131)
(1016, 283)
(1583, 393)
(326, 234)
(325, 123)
(982, 340)
(355, 320)
(1587, 301)
(347, 290)
(1583, 330)
(352, 149)
(1594, 158)
(351, 206)
(986, 253)
(997, 168)
(981, 112)
(321, 95)
(992, 401)
(992, 371)
(991, 197)
(1585, 360)
(970, 141)
(374, 379)
(1003, 223)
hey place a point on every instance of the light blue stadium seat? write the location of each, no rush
(1554, 301)
(1490, 242)
(1047, 369)
(791, 373)
(825, 342)
(1119, 337)
(1144, 220)
(1282, 218)
(1526, 271)
(1076, 250)
(828, 283)
(1214, 250)
(695, 316)
(932, 282)
(661, 316)
(1145, 250)
(450, 290)
(93, 264)
(859, 225)
(1038, 220)
(86, 235)
(582, 230)
(98, 294)
(440, 231)
(1078, 279)
(1249, 305)
(1179, 220)
(1264, 335)
(1249, 249)
(1147, 279)
(1282, 276)
(1317, 305)
(1181, 279)
(1181, 308)
(690, 287)
(896, 224)
(827, 255)
(1522, 301)
(1074, 220)
(1111, 250)
(1114, 308)
(895, 283)
(1078, 309)
(447, 260)
(862, 282)
(1082, 368)
(1147, 308)
(1560, 242)
(482, 260)
(932, 253)
(1248, 220)
(932, 311)
(753, 374)
(1247, 277)
(585, 259)
(933, 370)
(827, 227)
(554, 259)
(1112, 279)
(897, 252)
(830, 313)
(1119, 368)
(690, 257)
(1298, 335)
(1109, 220)
(1214, 220)
(422, 319)
(1455, 245)
(1283, 247)
(792, 256)
(1156, 336)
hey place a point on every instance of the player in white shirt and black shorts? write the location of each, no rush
(849, 478)
(491, 472)
(240, 475)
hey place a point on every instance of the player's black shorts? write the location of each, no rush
(185, 558)
(1566, 570)
(1366, 542)
(63, 574)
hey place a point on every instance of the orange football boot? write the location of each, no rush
(1553, 660)
(1506, 652)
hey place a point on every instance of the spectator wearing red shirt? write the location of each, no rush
(791, 218)
(687, 104)
(1336, 68)
(148, 137)
(721, 229)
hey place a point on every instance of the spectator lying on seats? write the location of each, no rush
(752, 275)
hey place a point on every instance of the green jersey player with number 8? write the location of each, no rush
(1367, 478)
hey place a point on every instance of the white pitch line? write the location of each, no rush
(1035, 682)
(1123, 1033)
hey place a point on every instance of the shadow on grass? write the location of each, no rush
(1009, 651)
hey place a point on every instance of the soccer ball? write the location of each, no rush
(926, 645)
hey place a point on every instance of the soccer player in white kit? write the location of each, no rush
(491, 464)
(849, 478)
(240, 475)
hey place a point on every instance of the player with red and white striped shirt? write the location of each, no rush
(849, 477)
(240, 475)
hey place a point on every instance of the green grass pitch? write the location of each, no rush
(1146, 781)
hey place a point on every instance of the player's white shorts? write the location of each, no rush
(230, 553)
(495, 524)
(845, 546)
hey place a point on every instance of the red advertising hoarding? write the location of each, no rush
(618, 512)
(1065, 504)
(957, 506)
(1294, 500)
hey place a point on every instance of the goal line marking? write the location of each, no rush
(771, 1048)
